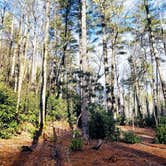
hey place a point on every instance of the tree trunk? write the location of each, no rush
(11, 58)
(21, 55)
(112, 81)
(44, 67)
(106, 65)
(154, 56)
(136, 90)
(84, 68)
(34, 67)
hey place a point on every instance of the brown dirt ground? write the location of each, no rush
(110, 154)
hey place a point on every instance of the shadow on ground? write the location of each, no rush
(135, 155)
(23, 156)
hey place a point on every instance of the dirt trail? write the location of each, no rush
(110, 154)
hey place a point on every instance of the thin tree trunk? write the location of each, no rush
(136, 90)
(120, 94)
(13, 63)
(22, 55)
(11, 58)
(33, 72)
(44, 67)
(16, 57)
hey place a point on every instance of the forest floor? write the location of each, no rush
(110, 154)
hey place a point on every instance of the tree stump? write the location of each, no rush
(98, 145)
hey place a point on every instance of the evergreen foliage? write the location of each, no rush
(57, 109)
(77, 141)
(8, 116)
(101, 123)
(131, 138)
(161, 131)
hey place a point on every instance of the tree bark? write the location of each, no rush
(106, 65)
(44, 67)
(154, 57)
(22, 56)
(84, 68)
(33, 72)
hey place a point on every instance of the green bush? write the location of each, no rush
(121, 118)
(76, 142)
(116, 135)
(162, 120)
(10, 121)
(101, 123)
(29, 128)
(131, 138)
(8, 115)
(57, 109)
(161, 131)
(29, 108)
(150, 121)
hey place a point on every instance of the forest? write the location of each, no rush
(82, 82)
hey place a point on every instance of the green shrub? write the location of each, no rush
(10, 121)
(57, 109)
(121, 118)
(101, 123)
(30, 128)
(8, 116)
(162, 120)
(131, 138)
(116, 135)
(76, 142)
(29, 108)
(150, 121)
(161, 131)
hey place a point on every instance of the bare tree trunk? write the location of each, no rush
(120, 94)
(13, 63)
(137, 101)
(33, 72)
(44, 67)
(84, 68)
(22, 55)
(3, 12)
(112, 81)
(8, 72)
(106, 65)
(16, 56)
